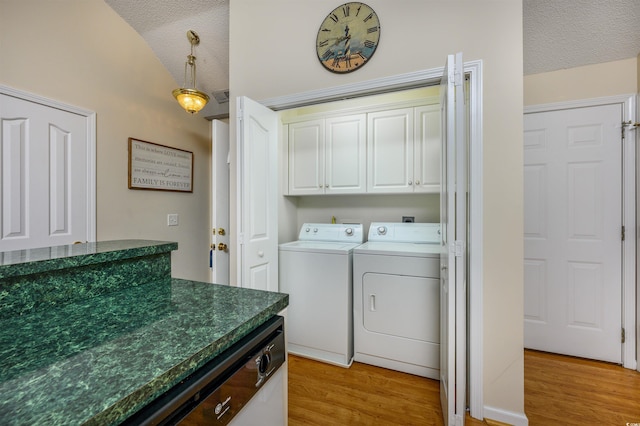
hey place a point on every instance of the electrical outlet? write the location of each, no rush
(172, 219)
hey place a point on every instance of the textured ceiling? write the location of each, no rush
(164, 25)
(562, 34)
(557, 34)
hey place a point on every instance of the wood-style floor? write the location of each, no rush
(559, 390)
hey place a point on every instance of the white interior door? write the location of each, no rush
(573, 221)
(258, 183)
(219, 262)
(46, 175)
(453, 256)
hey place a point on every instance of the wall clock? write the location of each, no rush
(348, 37)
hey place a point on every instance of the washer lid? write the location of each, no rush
(327, 247)
(398, 249)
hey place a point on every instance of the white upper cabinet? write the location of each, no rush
(404, 150)
(328, 156)
(390, 151)
(426, 149)
(378, 151)
(306, 158)
(346, 154)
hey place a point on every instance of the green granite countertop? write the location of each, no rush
(97, 361)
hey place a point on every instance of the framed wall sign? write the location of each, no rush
(159, 167)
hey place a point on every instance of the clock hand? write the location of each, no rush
(339, 40)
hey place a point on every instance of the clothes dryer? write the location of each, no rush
(317, 273)
(397, 298)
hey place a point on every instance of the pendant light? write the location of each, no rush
(190, 98)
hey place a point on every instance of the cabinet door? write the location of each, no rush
(426, 149)
(306, 157)
(345, 154)
(390, 151)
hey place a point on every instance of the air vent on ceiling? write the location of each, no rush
(222, 96)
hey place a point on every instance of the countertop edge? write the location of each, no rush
(139, 248)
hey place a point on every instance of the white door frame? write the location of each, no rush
(637, 333)
(628, 212)
(419, 79)
(90, 120)
(220, 217)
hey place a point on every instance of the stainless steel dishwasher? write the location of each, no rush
(242, 386)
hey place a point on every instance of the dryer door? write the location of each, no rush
(403, 306)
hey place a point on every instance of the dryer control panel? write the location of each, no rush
(392, 232)
(338, 232)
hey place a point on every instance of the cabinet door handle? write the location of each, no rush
(417, 182)
(410, 183)
(372, 302)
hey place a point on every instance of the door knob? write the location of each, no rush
(222, 247)
(221, 231)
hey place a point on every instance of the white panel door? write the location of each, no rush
(219, 264)
(345, 154)
(453, 221)
(573, 220)
(44, 175)
(258, 183)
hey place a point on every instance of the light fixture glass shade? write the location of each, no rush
(190, 99)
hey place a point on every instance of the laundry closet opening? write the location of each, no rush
(386, 170)
(361, 160)
(357, 204)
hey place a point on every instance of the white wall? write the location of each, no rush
(368, 208)
(591, 81)
(272, 54)
(80, 52)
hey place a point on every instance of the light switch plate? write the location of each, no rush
(172, 219)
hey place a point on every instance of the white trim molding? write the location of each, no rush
(476, 314)
(506, 417)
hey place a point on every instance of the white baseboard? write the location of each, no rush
(507, 417)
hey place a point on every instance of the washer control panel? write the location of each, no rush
(338, 232)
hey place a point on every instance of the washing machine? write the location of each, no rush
(317, 273)
(396, 305)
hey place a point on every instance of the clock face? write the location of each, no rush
(348, 37)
